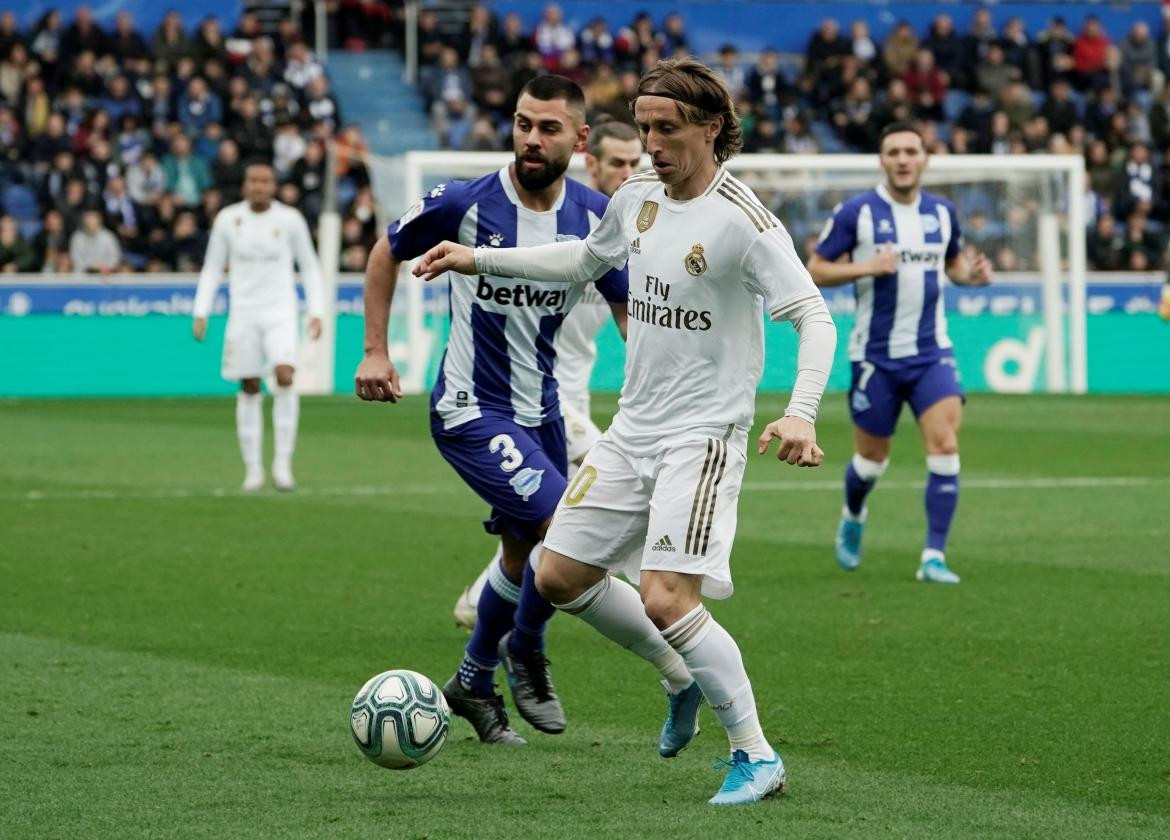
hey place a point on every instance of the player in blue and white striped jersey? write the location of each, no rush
(495, 411)
(896, 242)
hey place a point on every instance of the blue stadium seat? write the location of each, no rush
(20, 202)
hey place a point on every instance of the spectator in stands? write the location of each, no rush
(674, 35)
(449, 81)
(188, 243)
(896, 106)
(853, 117)
(430, 40)
(552, 37)
(320, 106)
(227, 170)
(1090, 55)
(146, 182)
(513, 41)
(1055, 47)
(490, 85)
(597, 43)
(92, 248)
(209, 208)
(170, 42)
(36, 107)
(899, 50)
(120, 100)
(731, 71)
(187, 176)
(636, 41)
(1018, 52)
(351, 150)
(252, 136)
(994, 74)
(46, 42)
(302, 67)
(947, 48)
(1059, 109)
(125, 42)
(926, 84)
(1136, 183)
(52, 240)
(1138, 60)
(288, 146)
(481, 32)
(766, 84)
(798, 138)
(119, 211)
(199, 107)
(861, 43)
(10, 34)
(15, 70)
(83, 35)
(979, 38)
(825, 48)
(1100, 110)
(16, 255)
(483, 136)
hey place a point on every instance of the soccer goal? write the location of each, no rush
(1026, 212)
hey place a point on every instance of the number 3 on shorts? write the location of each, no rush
(582, 481)
(512, 456)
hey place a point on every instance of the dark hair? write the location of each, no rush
(610, 129)
(897, 127)
(701, 96)
(258, 161)
(548, 88)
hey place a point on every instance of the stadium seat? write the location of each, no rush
(954, 103)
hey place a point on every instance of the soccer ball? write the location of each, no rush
(399, 719)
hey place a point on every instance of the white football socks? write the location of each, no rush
(614, 609)
(286, 411)
(250, 429)
(713, 657)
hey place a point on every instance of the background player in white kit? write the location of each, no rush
(256, 241)
(657, 496)
(614, 154)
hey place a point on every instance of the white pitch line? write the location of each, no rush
(977, 483)
(114, 494)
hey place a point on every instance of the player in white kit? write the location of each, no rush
(256, 241)
(614, 154)
(656, 497)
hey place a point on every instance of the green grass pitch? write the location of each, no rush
(177, 660)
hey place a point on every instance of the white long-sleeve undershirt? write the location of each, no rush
(814, 355)
(558, 262)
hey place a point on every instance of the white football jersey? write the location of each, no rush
(576, 346)
(258, 250)
(702, 273)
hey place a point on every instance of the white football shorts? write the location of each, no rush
(675, 511)
(581, 433)
(255, 343)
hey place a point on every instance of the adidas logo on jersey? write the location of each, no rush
(636, 246)
(663, 544)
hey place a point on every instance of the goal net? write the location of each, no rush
(1026, 332)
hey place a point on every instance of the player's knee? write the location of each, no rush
(552, 585)
(665, 607)
(944, 444)
(284, 375)
(250, 386)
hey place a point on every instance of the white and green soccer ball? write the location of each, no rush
(400, 719)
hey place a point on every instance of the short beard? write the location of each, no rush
(542, 179)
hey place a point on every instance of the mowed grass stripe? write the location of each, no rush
(160, 758)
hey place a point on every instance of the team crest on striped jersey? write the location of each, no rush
(695, 262)
(647, 215)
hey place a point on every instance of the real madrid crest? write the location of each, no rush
(695, 262)
(647, 215)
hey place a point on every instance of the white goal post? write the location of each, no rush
(1048, 190)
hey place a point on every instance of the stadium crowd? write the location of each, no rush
(117, 147)
(994, 89)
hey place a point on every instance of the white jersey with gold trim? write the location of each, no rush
(702, 273)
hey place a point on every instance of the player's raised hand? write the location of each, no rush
(444, 257)
(798, 441)
(980, 271)
(885, 261)
(314, 329)
(377, 379)
(199, 328)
